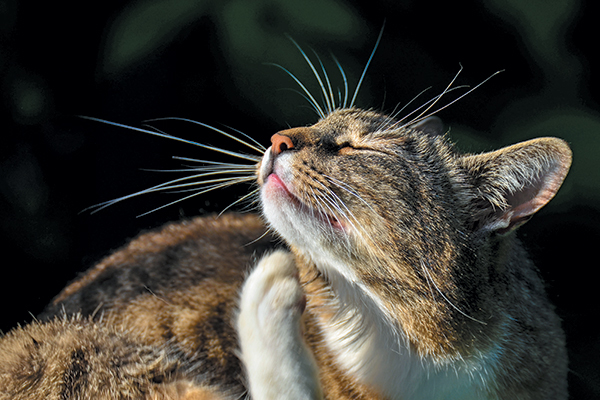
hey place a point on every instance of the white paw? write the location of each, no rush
(272, 300)
(276, 359)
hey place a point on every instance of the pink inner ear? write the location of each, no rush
(535, 195)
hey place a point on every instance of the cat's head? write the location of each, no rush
(365, 196)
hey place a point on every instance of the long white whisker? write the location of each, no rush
(165, 135)
(208, 169)
(429, 278)
(396, 113)
(256, 142)
(312, 100)
(166, 186)
(366, 67)
(210, 188)
(315, 73)
(455, 100)
(342, 105)
(218, 149)
(429, 102)
(433, 99)
(259, 238)
(189, 185)
(319, 207)
(252, 193)
(215, 164)
(348, 215)
(348, 189)
(339, 205)
(334, 208)
(219, 163)
(260, 149)
(307, 99)
(437, 98)
(331, 101)
(328, 207)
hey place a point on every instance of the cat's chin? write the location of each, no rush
(284, 210)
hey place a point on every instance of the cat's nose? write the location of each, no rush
(280, 143)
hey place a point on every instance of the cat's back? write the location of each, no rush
(212, 251)
(152, 320)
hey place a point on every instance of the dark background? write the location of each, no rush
(129, 61)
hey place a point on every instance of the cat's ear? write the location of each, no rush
(513, 183)
(430, 125)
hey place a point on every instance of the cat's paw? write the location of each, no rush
(272, 299)
(278, 363)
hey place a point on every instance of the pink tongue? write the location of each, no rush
(276, 180)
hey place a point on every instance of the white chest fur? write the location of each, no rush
(370, 348)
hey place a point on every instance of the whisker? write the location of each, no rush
(433, 99)
(327, 207)
(178, 139)
(457, 99)
(256, 142)
(307, 99)
(429, 278)
(260, 237)
(312, 100)
(334, 207)
(338, 205)
(218, 149)
(344, 186)
(342, 105)
(319, 207)
(316, 74)
(214, 169)
(158, 188)
(437, 98)
(252, 193)
(366, 67)
(260, 149)
(208, 189)
(189, 187)
(348, 215)
(331, 101)
(396, 113)
(219, 163)
(430, 101)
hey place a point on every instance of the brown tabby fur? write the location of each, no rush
(427, 221)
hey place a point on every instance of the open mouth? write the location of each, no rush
(319, 214)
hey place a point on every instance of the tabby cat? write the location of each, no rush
(384, 265)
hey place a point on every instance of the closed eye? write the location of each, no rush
(347, 147)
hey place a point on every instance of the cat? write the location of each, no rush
(384, 265)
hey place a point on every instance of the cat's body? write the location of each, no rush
(406, 279)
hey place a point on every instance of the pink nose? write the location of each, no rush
(280, 143)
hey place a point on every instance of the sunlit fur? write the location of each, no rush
(424, 287)
(75, 358)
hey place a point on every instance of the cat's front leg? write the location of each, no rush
(277, 361)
